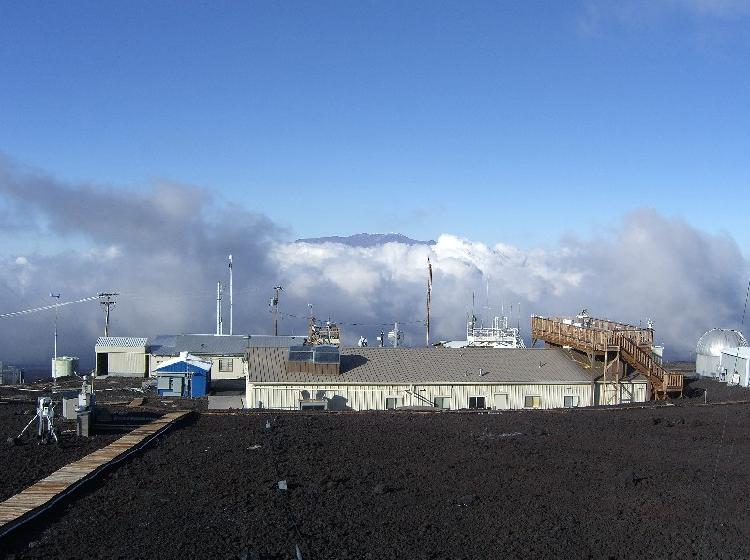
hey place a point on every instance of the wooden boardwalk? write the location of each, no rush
(38, 497)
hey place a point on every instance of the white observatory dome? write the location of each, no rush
(716, 340)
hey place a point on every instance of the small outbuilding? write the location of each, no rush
(122, 356)
(184, 376)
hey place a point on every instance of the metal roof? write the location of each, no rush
(717, 340)
(121, 341)
(218, 345)
(428, 365)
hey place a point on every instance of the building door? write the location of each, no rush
(501, 401)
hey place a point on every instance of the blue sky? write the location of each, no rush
(498, 121)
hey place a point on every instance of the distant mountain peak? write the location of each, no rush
(366, 240)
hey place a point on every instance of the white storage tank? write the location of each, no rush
(64, 366)
(711, 345)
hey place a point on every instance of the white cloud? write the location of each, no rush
(648, 266)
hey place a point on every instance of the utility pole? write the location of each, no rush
(107, 300)
(231, 299)
(57, 303)
(275, 309)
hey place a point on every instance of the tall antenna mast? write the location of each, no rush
(231, 298)
(219, 321)
(429, 298)
(275, 309)
(57, 303)
(107, 300)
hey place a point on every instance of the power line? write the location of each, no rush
(46, 307)
(388, 324)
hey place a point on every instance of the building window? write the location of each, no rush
(442, 402)
(477, 402)
(532, 401)
(226, 364)
(570, 401)
(391, 403)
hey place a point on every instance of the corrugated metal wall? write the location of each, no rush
(128, 363)
(373, 397)
(707, 366)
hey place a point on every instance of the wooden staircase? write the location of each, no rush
(601, 337)
(662, 381)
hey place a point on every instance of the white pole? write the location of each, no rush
(57, 302)
(219, 325)
(231, 298)
(55, 331)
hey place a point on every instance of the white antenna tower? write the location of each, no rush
(219, 321)
(57, 304)
(231, 298)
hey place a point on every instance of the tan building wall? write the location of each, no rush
(124, 361)
(373, 397)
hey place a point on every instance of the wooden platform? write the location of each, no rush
(38, 497)
(603, 337)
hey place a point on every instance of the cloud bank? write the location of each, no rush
(165, 247)
(597, 15)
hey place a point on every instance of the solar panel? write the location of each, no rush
(322, 354)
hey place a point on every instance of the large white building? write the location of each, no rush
(383, 378)
(708, 351)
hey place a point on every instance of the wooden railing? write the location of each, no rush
(594, 337)
(601, 335)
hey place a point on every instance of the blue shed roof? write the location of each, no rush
(185, 364)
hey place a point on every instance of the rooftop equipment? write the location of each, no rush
(319, 332)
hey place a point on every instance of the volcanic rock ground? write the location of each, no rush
(25, 462)
(655, 482)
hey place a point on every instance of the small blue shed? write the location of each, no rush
(184, 376)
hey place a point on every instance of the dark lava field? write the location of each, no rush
(26, 462)
(657, 482)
